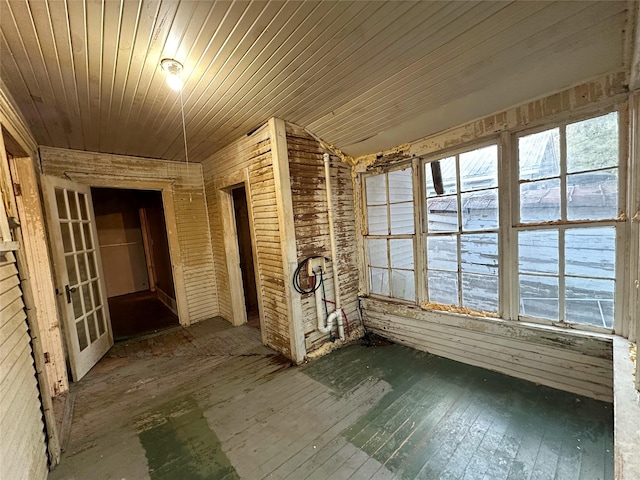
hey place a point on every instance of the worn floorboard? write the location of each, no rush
(139, 313)
(210, 402)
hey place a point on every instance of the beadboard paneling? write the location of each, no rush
(578, 363)
(249, 161)
(364, 75)
(188, 208)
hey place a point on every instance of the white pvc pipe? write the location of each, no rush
(320, 314)
(337, 314)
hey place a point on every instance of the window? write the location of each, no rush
(568, 209)
(462, 229)
(558, 217)
(390, 234)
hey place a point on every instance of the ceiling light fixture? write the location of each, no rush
(172, 68)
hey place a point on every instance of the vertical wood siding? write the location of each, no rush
(22, 445)
(250, 157)
(189, 210)
(308, 190)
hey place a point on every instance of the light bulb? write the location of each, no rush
(174, 81)
(172, 68)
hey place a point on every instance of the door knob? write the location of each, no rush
(69, 291)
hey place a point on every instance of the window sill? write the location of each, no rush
(470, 320)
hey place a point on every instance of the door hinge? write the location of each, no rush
(17, 190)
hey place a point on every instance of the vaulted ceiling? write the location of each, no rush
(362, 75)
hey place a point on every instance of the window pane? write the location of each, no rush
(86, 295)
(480, 210)
(76, 302)
(589, 301)
(60, 202)
(87, 235)
(379, 279)
(81, 332)
(540, 201)
(447, 172)
(479, 168)
(96, 293)
(91, 323)
(592, 195)
(71, 270)
(590, 252)
(443, 287)
(82, 198)
(539, 155)
(442, 214)
(401, 218)
(377, 220)
(538, 251)
(378, 253)
(403, 284)
(479, 253)
(539, 296)
(480, 292)
(593, 143)
(92, 264)
(73, 204)
(77, 237)
(101, 324)
(400, 186)
(82, 267)
(442, 252)
(65, 230)
(376, 190)
(401, 253)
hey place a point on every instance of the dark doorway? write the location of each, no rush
(243, 229)
(132, 236)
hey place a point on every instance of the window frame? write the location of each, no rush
(367, 236)
(424, 234)
(509, 213)
(620, 222)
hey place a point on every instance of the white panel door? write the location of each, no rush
(80, 283)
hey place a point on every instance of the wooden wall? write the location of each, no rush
(193, 260)
(309, 197)
(159, 247)
(120, 239)
(249, 161)
(573, 362)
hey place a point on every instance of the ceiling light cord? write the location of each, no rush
(184, 136)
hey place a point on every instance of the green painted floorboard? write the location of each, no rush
(446, 420)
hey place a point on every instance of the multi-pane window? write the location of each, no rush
(561, 214)
(462, 229)
(568, 209)
(390, 234)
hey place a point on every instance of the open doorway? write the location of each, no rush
(135, 255)
(245, 250)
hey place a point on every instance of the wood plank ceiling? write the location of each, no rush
(362, 75)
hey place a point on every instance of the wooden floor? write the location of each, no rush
(139, 313)
(209, 402)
